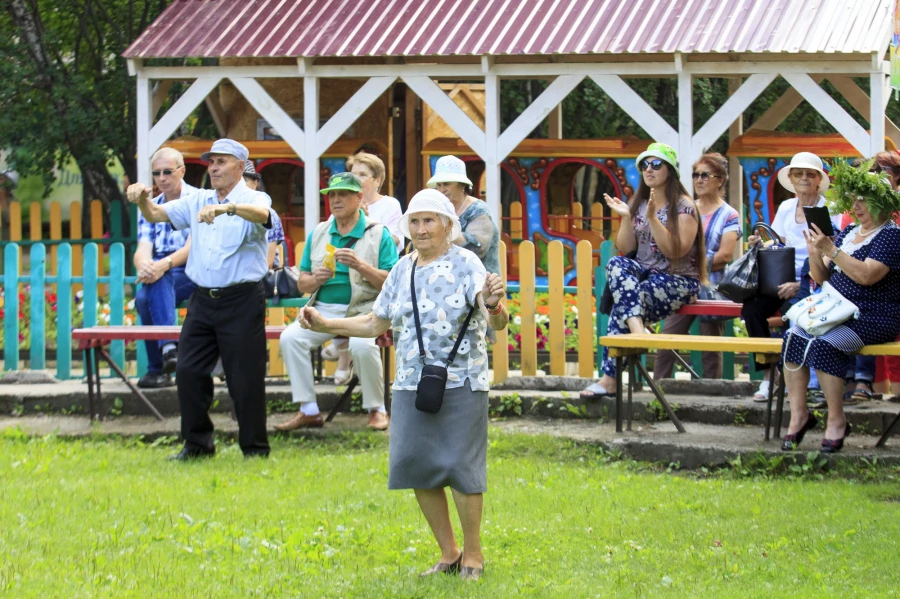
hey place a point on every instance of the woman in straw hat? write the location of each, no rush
(805, 177)
(479, 232)
(661, 225)
(454, 303)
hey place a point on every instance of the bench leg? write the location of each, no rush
(131, 385)
(779, 409)
(89, 368)
(386, 372)
(769, 402)
(96, 361)
(631, 377)
(348, 393)
(659, 396)
(887, 432)
(620, 366)
(685, 364)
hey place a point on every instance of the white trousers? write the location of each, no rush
(297, 342)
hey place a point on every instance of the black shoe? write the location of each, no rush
(792, 442)
(835, 445)
(192, 453)
(170, 361)
(256, 454)
(155, 380)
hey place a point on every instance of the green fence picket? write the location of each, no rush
(141, 346)
(89, 285)
(38, 333)
(11, 307)
(607, 251)
(115, 219)
(64, 312)
(117, 299)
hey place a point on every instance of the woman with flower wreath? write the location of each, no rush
(863, 265)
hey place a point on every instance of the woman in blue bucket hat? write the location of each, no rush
(661, 229)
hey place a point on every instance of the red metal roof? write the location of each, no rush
(355, 28)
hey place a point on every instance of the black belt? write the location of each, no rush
(219, 292)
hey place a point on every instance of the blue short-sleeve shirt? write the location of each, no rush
(232, 250)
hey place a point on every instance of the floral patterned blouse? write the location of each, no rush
(649, 255)
(447, 289)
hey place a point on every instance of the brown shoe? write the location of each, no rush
(301, 420)
(378, 420)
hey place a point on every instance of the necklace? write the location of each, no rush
(462, 207)
(861, 234)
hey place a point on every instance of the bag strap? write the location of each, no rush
(415, 305)
(349, 245)
(761, 226)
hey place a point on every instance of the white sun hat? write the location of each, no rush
(804, 160)
(449, 169)
(430, 200)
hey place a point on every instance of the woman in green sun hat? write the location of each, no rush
(661, 228)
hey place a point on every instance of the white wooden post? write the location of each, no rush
(832, 111)
(735, 171)
(492, 141)
(311, 153)
(269, 109)
(352, 110)
(535, 113)
(181, 110)
(859, 100)
(685, 128)
(635, 107)
(143, 118)
(447, 109)
(732, 109)
(876, 113)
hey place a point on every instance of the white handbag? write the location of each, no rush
(819, 313)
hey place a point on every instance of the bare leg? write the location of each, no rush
(433, 503)
(635, 325)
(796, 382)
(833, 387)
(470, 508)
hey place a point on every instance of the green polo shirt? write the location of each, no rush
(337, 289)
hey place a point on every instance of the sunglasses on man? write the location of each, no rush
(166, 171)
(655, 164)
(704, 176)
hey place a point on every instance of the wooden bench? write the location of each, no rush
(93, 341)
(628, 349)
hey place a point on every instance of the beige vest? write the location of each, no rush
(362, 293)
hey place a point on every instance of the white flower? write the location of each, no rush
(659, 293)
(517, 320)
(629, 284)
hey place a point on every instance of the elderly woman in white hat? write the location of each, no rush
(808, 180)
(479, 232)
(456, 300)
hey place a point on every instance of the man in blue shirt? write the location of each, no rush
(227, 313)
(344, 281)
(160, 258)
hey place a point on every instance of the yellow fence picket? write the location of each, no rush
(276, 365)
(501, 348)
(515, 220)
(585, 306)
(528, 339)
(35, 221)
(55, 233)
(578, 213)
(75, 233)
(15, 226)
(556, 316)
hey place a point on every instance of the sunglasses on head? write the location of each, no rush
(703, 176)
(166, 171)
(655, 164)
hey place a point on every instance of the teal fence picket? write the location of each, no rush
(141, 348)
(89, 308)
(11, 307)
(607, 251)
(117, 300)
(38, 333)
(64, 312)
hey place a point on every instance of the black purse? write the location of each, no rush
(430, 391)
(776, 263)
(281, 283)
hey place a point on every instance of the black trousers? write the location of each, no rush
(756, 312)
(233, 326)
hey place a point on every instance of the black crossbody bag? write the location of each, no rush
(430, 392)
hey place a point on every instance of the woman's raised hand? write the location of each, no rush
(494, 290)
(309, 318)
(617, 206)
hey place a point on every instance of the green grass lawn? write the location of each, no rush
(111, 518)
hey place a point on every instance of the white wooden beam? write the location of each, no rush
(779, 110)
(831, 110)
(731, 110)
(877, 119)
(487, 62)
(535, 113)
(686, 155)
(555, 122)
(635, 106)
(219, 116)
(434, 96)
(311, 154)
(143, 129)
(492, 143)
(160, 91)
(180, 110)
(269, 109)
(133, 65)
(859, 100)
(352, 110)
(735, 172)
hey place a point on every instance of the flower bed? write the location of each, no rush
(542, 322)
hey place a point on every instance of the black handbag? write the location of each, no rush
(740, 279)
(776, 263)
(430, 391)
(281, 283)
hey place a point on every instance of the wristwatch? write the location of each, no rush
(169, 261)
(232, 208)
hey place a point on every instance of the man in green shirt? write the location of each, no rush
(344, 264)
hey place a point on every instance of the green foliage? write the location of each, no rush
(851, 183)
(509, 404)
(112, 518)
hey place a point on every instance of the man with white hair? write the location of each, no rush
(227, 312)
(160, 260)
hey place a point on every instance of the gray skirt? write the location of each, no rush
(447, 449)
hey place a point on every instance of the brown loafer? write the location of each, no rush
(301, 420)
(378, 420)
(469, 573)
(443, 568)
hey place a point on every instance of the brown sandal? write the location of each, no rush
(470, 573)
(443, 567)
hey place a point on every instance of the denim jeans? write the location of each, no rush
(156, 303)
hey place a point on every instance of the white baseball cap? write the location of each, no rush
(430, 200)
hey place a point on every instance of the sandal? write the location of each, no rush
(762, 394)
(850, 398)
(815, 399)
(444, 568)
(595, 391)
(342, 377)
(865, 394)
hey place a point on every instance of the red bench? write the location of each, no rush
(712, 308)
(93, 342)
